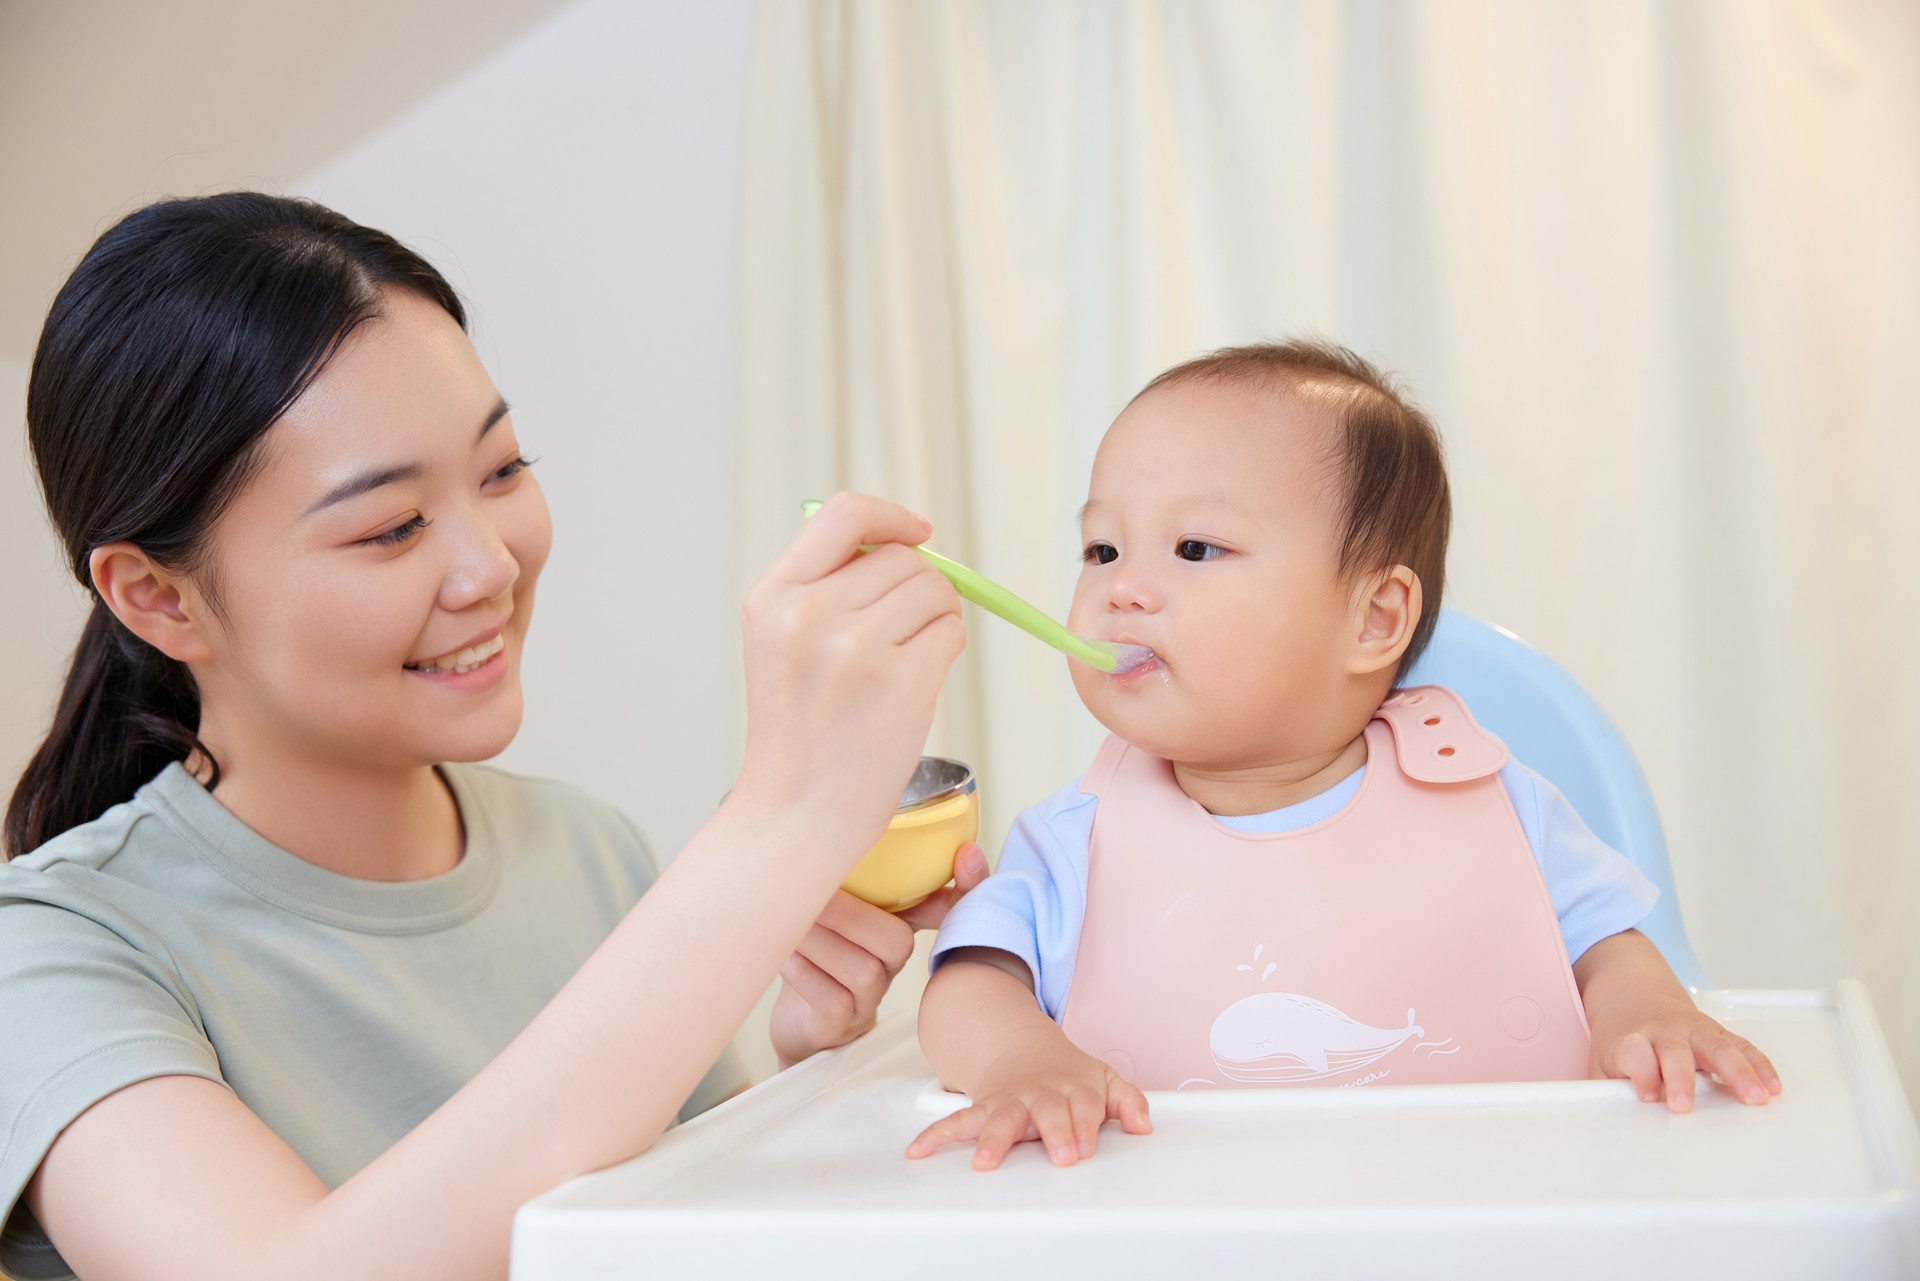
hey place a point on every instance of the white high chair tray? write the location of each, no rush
(803, 1177)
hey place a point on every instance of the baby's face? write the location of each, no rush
(1209, 535)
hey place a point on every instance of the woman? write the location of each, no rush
(288, 992)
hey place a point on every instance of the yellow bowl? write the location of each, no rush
(939, 813)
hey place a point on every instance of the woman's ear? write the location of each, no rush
(1389, 611)
(148, 601)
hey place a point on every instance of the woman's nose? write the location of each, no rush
(483, 568)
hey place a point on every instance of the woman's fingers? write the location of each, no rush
(832, 1002)
(870, 578)
(864, 975)
(969, 869)
(878, 933)
(912, 605)
(834, 536)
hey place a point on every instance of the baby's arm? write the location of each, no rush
(1647, 1029)
(986, 1035)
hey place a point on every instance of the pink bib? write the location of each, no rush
(1408, 939)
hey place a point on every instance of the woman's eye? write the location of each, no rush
(1100, 554)
(512, 469)
(399, 533)
(1194, 549)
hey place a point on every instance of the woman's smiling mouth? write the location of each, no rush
(461, 661)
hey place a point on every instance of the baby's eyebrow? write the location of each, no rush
(1221, 498)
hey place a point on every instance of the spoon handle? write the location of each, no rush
(995, 599)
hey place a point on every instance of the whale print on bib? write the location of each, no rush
(1283, 1038)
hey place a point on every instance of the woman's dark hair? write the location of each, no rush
(1395, 506)
(182, 336)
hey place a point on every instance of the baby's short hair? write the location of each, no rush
(1393, 502)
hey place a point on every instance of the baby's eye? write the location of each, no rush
(1100, 554)
(1194, 549)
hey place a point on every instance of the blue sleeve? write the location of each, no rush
(1035, 901)
(1597, 891)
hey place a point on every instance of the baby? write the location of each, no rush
(1280, 869)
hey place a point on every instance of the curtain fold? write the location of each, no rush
(1654, 268)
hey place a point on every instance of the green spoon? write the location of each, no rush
(1105, 656)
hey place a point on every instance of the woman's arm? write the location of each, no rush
(845, 656)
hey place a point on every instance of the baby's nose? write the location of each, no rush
(1131, 592)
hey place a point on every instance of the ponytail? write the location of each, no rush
(182, 336)
(126, 711)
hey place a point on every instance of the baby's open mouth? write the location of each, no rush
(462, 660)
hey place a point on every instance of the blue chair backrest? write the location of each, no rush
(1555, 728)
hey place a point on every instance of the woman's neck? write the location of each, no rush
(373, 824)
(1269, 785)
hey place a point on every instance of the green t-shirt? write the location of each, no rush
(168, 938)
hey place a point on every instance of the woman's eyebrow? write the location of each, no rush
(372, 479)
(494, 415)
(355, 486)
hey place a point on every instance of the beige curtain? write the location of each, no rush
(1655, 268)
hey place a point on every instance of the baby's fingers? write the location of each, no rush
(1676, 1067)
(1006, 1126)
(1634, 1059)
(1732, 1060)
(1762, 1065)
(958, 1128)
(1054, 1120)
(1128, 1106)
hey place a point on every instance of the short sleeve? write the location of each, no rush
(1036, 901)
(86, 1013)
(1597, 891)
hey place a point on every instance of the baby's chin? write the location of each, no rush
(1154, 723)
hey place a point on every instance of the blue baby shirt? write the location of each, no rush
(1034, 903)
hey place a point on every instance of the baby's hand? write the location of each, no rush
(1046, 1089)
(1664, 1046)
(1648, 1030)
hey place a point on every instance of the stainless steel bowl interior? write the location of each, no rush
(936, 779)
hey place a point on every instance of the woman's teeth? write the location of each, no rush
(463, 660)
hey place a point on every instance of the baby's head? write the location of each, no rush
(1273, 521)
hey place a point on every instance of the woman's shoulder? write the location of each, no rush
(94, 844)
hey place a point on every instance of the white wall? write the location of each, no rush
(580, 188)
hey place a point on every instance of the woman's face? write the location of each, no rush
(374, 579)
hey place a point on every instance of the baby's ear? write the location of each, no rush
(1388, 609)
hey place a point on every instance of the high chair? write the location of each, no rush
(1554, 727)
(802, 1176)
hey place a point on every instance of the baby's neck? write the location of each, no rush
(1271, 785)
